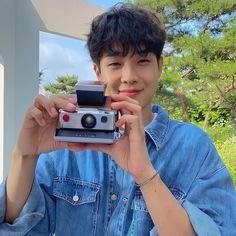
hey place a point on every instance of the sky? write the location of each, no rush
(60, 55)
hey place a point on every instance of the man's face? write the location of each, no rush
(134, 75)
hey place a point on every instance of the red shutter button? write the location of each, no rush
(66, 118)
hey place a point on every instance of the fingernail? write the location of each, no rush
(72, 99)
(53, 111)
(42, 122)
(70, 106)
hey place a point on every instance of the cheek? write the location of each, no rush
(152, 80)
(151, 86)
(112, 84)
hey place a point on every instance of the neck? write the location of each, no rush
(147, 115)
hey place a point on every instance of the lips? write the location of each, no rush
(131, 92)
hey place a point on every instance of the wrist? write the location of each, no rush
(145, 175)
(147, 181)
(18, 155)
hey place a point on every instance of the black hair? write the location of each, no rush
(130, 27)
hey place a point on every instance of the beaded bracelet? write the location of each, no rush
(147, 181)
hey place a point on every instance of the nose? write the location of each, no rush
(129, 75)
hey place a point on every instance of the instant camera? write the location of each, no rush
(91, 122)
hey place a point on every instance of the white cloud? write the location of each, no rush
(57, 59)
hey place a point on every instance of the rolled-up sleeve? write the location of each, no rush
(209, 198)
(2, 201)
(31, 214)
(210, 201)
(37, 217)
(211, 204)
(201, 222)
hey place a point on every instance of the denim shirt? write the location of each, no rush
(87, 193)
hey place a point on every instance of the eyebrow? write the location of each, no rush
(112, 53)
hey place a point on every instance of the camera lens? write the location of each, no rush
(88, 121)
(104, 119)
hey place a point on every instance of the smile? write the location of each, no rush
(131, 92)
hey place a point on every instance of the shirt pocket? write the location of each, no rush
(140, 216)
(77, 201)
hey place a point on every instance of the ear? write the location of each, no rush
(160, 64)
(97, 71)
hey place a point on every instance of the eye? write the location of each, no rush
(143, 61)
(114, 64)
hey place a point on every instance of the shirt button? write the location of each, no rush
(75, 198)
(113, 197)
(125, 199)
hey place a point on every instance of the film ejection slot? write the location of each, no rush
(91, 122)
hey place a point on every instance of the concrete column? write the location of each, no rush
(1, 116)
(7, 52)
(19, 48)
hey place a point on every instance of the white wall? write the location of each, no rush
(1, 115)
(7, 51)
(19, 48)
(27, 27)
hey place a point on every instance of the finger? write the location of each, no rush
(132, 124)
(121, 97)
(70, 98)
(127, 107)
(37, 115)
(130, 120)
(65, 103)
(52, 104)
(45, 103)
(108, 102)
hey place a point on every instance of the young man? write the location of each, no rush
(163, 177)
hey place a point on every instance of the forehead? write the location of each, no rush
(118, 49)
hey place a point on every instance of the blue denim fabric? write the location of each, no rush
(86, 193)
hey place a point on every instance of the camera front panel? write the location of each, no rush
(86, 136)
(89, 118)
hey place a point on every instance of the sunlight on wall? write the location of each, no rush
(1, 117)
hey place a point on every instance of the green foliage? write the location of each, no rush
(63, 85)
(227, 150)
(219, 132)
(200, 62)
(217, 115)
(172, 106)
(225, 142)
(200, 55)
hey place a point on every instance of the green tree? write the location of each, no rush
(200, 55)
(41, 73)
(63, 85)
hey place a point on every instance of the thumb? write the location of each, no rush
(108, 102)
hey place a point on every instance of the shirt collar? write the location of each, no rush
(158, 127)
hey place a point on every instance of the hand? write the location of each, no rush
(130, 150)
(38, 129)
